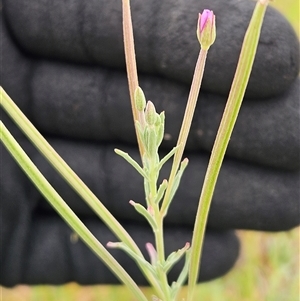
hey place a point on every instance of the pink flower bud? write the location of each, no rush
(206, 29)
(152, 253)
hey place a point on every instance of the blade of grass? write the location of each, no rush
(70, 176)
(62, 167)
(231, 111)
(65, 211)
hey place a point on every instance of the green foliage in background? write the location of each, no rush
(291, 9)
(267, 270)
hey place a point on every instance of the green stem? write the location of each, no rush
(159, 242)
(222, 139)
(69, 175)
(186, 125)
(138, 116)
(65, 211)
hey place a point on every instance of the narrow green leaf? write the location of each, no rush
(182, 276)
(131, 161)
(65, 211)
(161, 190)
(160, 128)
(69, 175)
(167, 157)
(175, 257)
(141, 260)
(64, 169)
(176, 182)
(229, 118)
(143, 211)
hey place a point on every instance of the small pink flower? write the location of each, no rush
(206, 28)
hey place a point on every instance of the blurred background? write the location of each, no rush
(267, 270)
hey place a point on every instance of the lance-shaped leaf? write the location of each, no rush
(175, 257)
(143, 211)
(176, 285)
(139, 259)
(178, 176)
(131, 161)
(176, 182)
(161, 190)
(160, 128)
(167, 157)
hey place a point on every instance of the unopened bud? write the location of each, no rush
(139, 98)
(206, 29)
(152, 253)
(150, 113)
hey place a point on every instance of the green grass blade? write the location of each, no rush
(231, 111)
(64, 169)
(65, 211)
(70, 176)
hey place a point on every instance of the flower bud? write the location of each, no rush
(140, 100)
(150, 113)
(206, 29)
(152, 253)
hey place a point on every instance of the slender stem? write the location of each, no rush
(222, 139)
(133, 85)
(186, 124)
(159, 242)
(131, 65)
(65, 211)
(158, 233)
